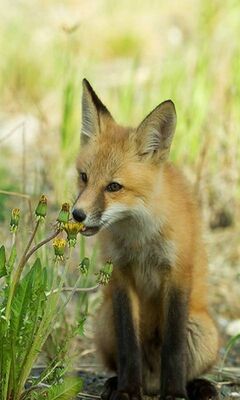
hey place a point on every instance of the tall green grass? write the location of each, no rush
(34, 295)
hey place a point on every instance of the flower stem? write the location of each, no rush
(18, 271)
(13, 239)
(40, 244)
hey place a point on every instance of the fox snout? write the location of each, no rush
(90, 221)
(78, 214)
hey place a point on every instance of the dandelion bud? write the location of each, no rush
(15, 216)
(84, 266)
(41, 210)
(59, 248)
(105, 273)
(63, 216)
(72, 229)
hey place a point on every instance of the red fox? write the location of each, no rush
(153, 327)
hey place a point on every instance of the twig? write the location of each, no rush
(40, 244)
(26, 196)
(13, 130)
(89, 289)
(72, 289)
(23, 260)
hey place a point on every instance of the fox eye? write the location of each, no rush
(113, 187)
(83, 176)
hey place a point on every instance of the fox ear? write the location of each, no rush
(94, 113)
(155, 133)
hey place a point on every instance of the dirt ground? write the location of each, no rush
(93, 384)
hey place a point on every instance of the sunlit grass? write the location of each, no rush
(135, 57)
(137, 61)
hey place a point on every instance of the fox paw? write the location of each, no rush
(110, 391)
(201, 389)
(172, 397)
(121, 395)
(110, 386)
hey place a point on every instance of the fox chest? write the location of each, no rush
(149, 262)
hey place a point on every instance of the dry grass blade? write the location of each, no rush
(87, 396)
(231, 374)
(12, 131)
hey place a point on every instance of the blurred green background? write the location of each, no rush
(135, 54)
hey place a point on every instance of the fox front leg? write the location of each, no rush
(128, 349)
(173, 354)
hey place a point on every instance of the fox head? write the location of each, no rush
(119, 167)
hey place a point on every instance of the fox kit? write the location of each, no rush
(153, 328)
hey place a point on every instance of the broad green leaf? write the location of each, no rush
(3, 270)
(19, 305)
(66, 390)
(27, 311)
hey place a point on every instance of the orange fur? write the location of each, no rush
(154, 246)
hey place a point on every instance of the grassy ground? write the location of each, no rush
(135, 55)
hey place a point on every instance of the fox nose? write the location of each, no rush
(79, 215)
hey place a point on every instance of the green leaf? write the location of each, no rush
(20, 304)
(81, 325)
(38, 324)
(231, 343)
(5, 354)
(3, 270)
(26, 313)
(66, 390)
